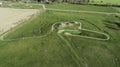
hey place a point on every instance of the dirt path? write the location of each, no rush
(10, 17)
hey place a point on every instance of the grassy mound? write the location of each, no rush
(74, 32)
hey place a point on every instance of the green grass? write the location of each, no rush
(67, 6)
(92, 34)
(115, 2)
(65, 51)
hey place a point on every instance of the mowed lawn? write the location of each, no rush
(52, 51)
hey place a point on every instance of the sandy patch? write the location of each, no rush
(10, 17)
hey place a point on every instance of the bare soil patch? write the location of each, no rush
(10, 17)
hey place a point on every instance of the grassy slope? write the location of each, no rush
(35, 53)
(51, 51)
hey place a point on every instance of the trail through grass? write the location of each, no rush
(52, 51)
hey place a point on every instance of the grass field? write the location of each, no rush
(115, 2)
(67, 6)
(61, 51)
